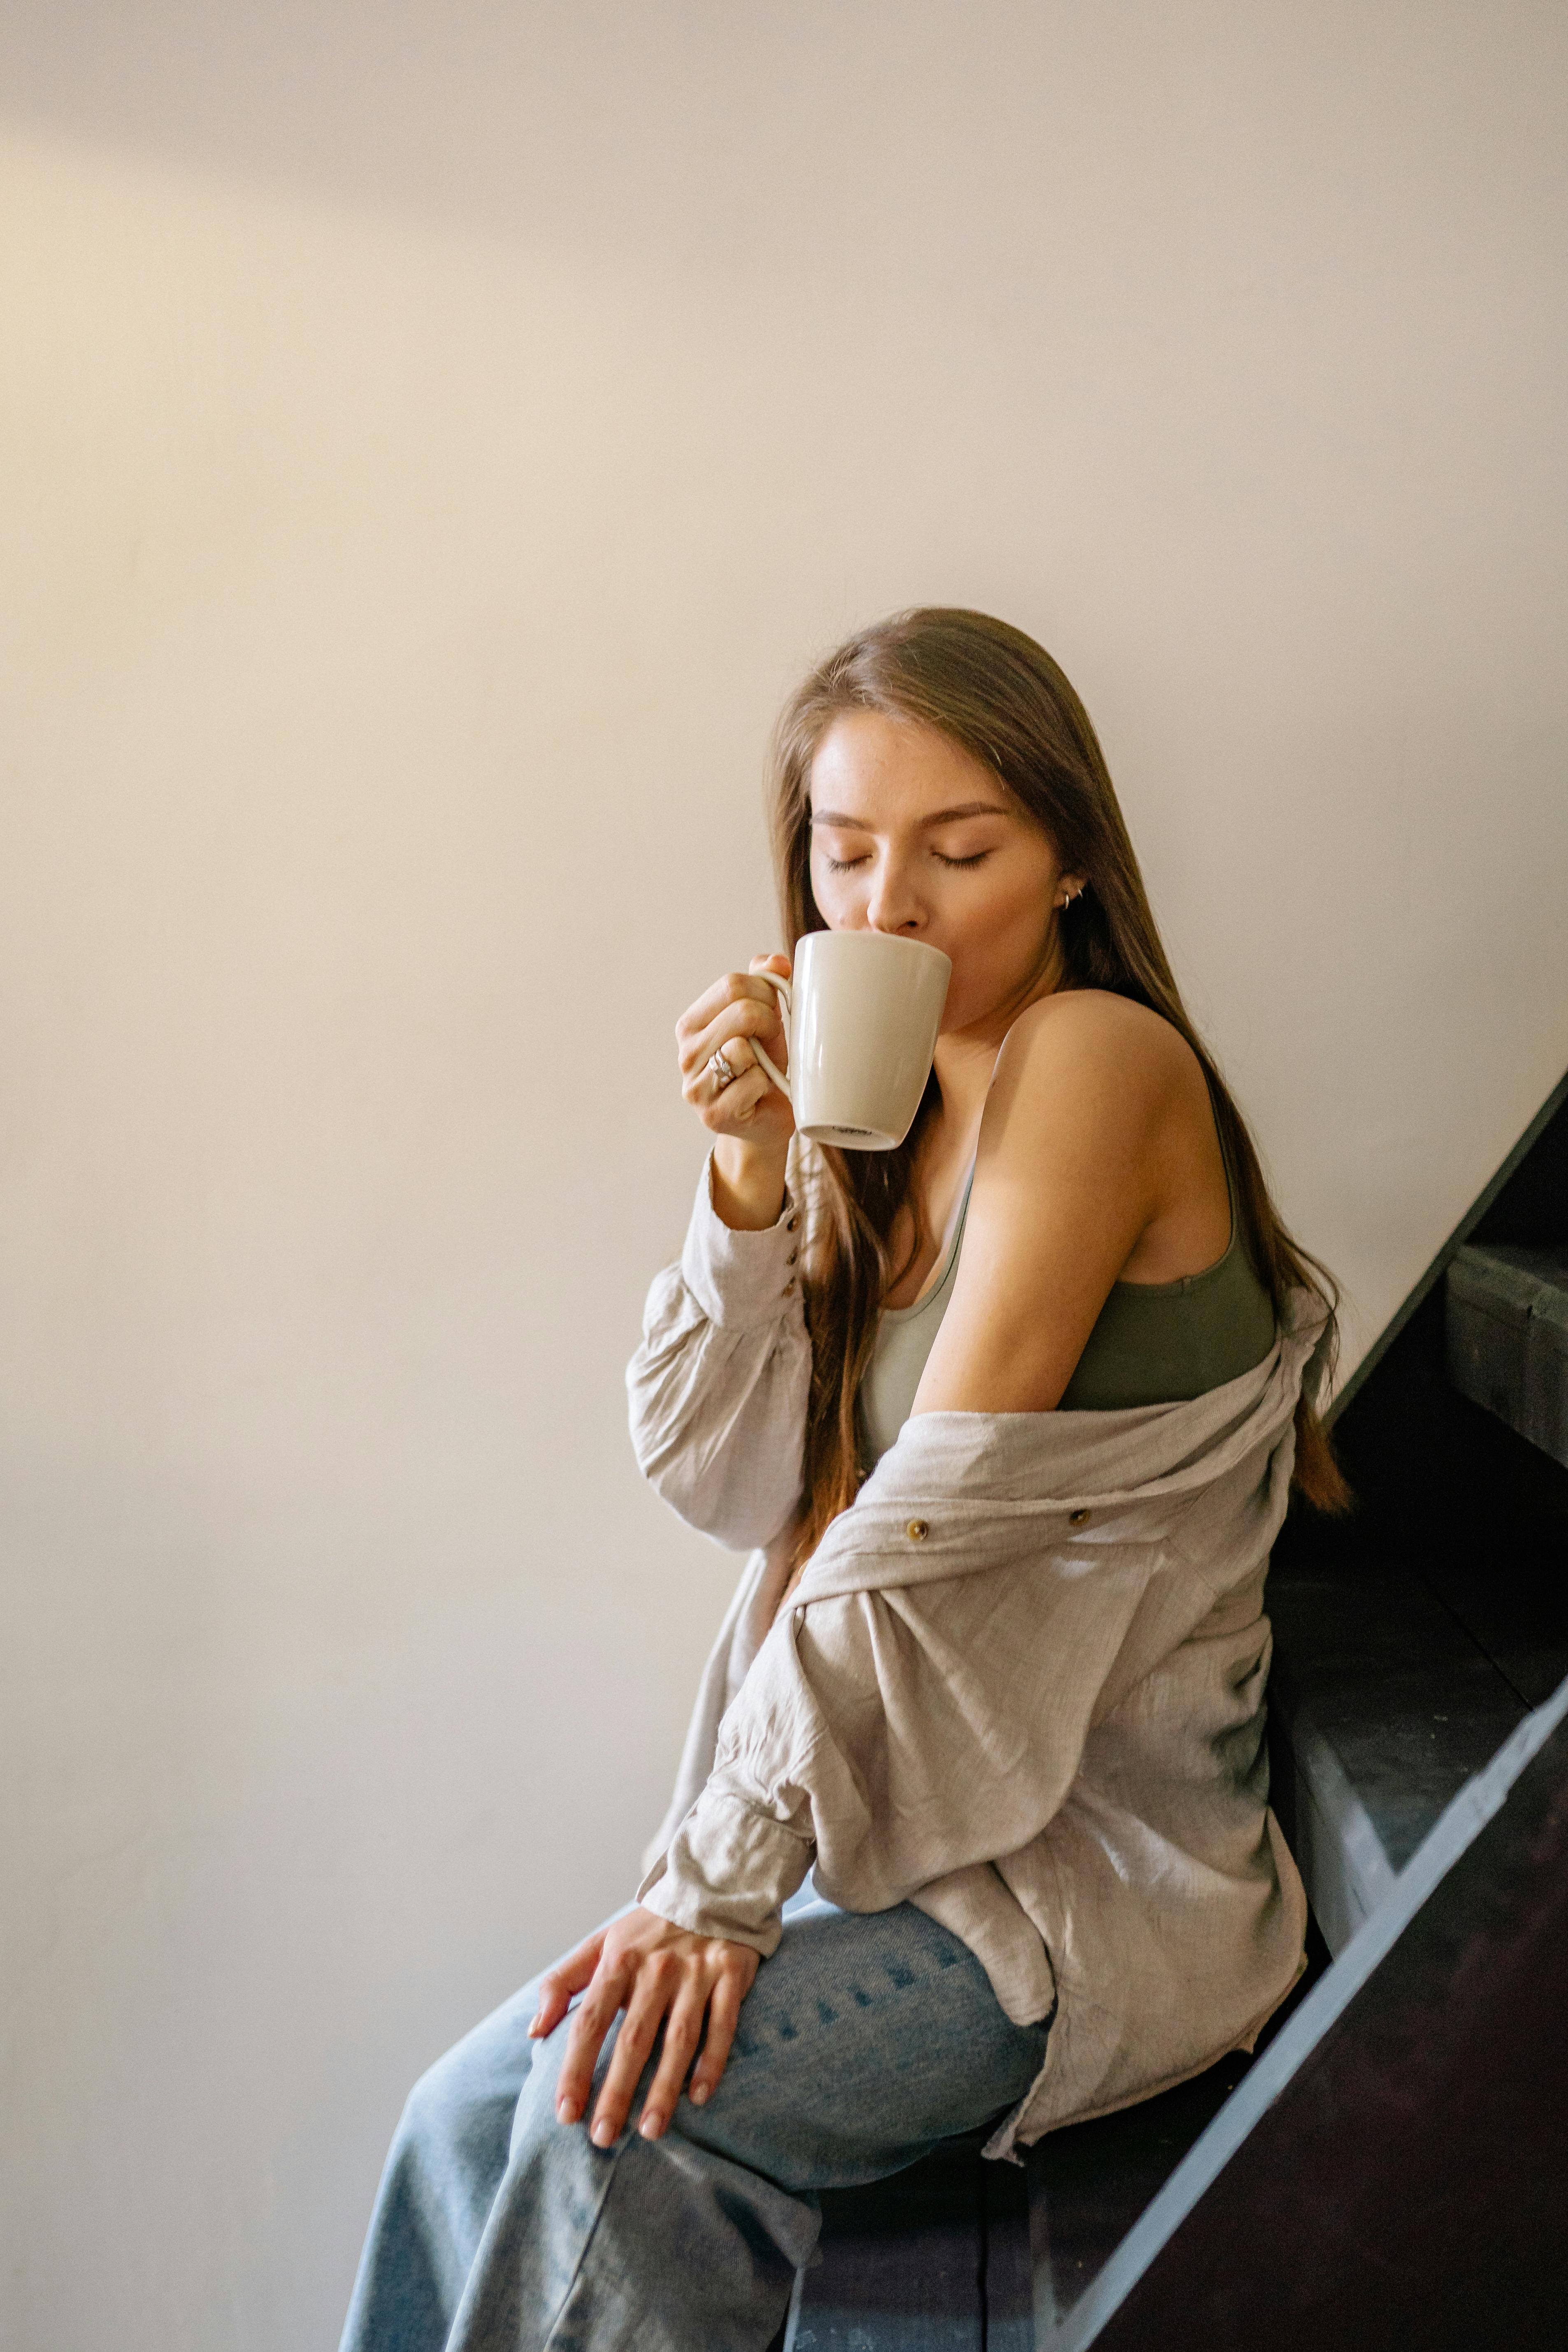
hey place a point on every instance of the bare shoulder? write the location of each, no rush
(1107, 1057)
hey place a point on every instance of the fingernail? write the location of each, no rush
(535, 2024)
(699, 2094)
(603, 2136)
(566, 2112)
(651, 2127)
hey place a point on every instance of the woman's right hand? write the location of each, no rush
(748, 1117)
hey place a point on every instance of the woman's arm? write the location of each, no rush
(718, 1393)
(718, 1388)
(897, 1736)
(1097, 1156)
(719, 1385)
(901, 1734)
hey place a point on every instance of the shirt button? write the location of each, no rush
(793, 1223)
(917, 1530)
(1078, 1519)
(791, 1257)
(788, 1287)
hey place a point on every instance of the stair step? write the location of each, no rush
(900, 2264)
(1507, 1337)
(1089, 2183)
(1381, 1708)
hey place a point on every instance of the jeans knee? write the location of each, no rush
(462, 2106)
(431, 2113)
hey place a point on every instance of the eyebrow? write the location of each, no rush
(942, 816)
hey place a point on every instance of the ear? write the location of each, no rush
(1068, 886)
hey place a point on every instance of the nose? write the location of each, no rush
(894, 905)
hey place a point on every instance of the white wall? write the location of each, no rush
(435, 436)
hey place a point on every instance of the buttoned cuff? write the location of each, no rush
(728, 1872)
(741, 1279)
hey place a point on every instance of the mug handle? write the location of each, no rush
(776, 1074)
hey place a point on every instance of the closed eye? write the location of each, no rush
(847, 865)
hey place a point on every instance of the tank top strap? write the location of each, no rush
(947, 1264)
(1229, 1166)
(964, 1209)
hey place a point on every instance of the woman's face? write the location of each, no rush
(910, 833)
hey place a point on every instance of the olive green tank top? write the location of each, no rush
(1152, 1342)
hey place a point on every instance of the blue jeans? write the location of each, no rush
(866, 2040)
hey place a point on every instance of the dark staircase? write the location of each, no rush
(1391, 2163)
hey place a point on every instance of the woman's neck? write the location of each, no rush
(965, 1059)
(963, 1072)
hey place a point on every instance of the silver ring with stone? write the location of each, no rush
(721, 1071)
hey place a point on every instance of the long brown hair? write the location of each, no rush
(1000, 696)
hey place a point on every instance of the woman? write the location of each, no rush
(971, 1825)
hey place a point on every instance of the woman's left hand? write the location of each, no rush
(657, 1973)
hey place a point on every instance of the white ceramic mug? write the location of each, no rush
(861, 1014)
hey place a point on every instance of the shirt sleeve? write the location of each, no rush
(901, 1733)
(720, 1385)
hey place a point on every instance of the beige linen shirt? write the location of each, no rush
(1020, 1683)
